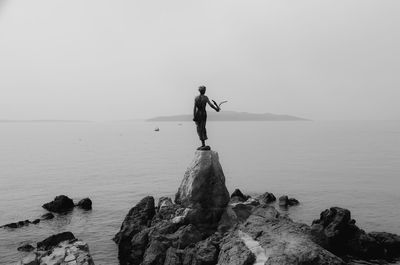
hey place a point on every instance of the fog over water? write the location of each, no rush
(112, 60)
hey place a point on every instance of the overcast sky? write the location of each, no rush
(125, 59)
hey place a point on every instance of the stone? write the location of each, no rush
(36, 221)
(187, 235)
(60, 204)
(238, 196)
(390, 243)
(47, 216)
(279, 240)
(203, 189)
(54, 240)
(172, 257)
(85, 204)
(31, 259)
(284, 201)
(137, 219)
(155, 253)
(266, 198)
(234, 252)
(164, 202)
(11, 225)
(26, 248)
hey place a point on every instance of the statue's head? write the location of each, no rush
(202, 90)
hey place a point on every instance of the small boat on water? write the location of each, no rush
(157, 129)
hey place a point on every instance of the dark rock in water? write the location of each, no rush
(11, 225)
(204, 148)
(390, 242)
(60, 204)
(284, 201)
(85, 204)
(203, 189)
(69, 252)
(47, 216)
(266, 198)
(54, 240)
(36, 221)
(26, 248)
(337, 232)
(238, 196)
(137, 219)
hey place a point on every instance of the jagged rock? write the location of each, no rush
(137, 219)
(17, 224)
(11, 225)
(173, 257)
(47, 216)
(187, 235)
(60, 204)
(68, 252)
(155, 253)
(164, 202)
(266, 198)
(54, 240)
(390, 242)
(238, 196)
(284, 201)
(235, 252)
(26, 248)
(85, 204)
(278, 240)
(337, 232)
(36, 221)
(203, 189)
(31, 259)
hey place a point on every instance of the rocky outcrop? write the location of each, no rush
(203, 189)
(85, 204)
(285, 201)
(185, 233)
(337, 232)
(60, 204)
(20, 224)
(62, 248)
(266, 198)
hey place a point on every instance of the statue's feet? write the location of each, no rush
(204, 148)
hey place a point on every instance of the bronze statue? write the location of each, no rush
(200, 116)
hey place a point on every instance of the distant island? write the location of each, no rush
(232, 116)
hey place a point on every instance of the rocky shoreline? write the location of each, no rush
(204, 225)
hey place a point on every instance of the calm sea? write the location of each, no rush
(351, 164)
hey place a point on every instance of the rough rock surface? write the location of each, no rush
(60, 204)
(279, 240)
(85, 204)
(203, 188)
(54, 240)
(68, 252)
(337, 232)
(266, 198)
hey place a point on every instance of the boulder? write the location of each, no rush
(337, 232)
(285, 201)
(26, 248)
(137, 219)
(59, 249)
(233, 251)
(54, 240)
(36, 221)
(238, 196)
(85, 204)
(266, 198)
(390, 243)
(60, 204)
(276, 239)
(187, 235)
(203, 189)
(164, 202)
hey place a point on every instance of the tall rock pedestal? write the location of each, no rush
(203, 189)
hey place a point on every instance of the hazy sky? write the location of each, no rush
(125, 59)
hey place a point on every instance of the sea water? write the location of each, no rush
(351, 164)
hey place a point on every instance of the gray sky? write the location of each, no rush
(123, 59)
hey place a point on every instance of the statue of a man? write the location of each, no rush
(200, 116)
